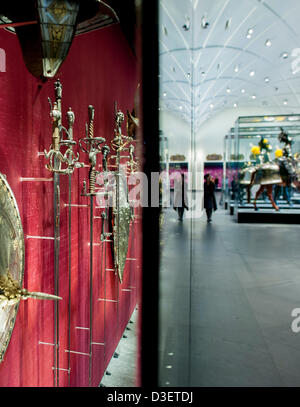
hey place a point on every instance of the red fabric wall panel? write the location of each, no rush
(99, 70)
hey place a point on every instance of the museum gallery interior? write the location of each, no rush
(149, 193)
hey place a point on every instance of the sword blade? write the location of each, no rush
(56, 181)
(70, 277)
(91, 284)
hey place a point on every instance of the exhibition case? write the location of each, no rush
(265, 151)
(70, 236)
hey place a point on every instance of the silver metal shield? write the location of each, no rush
(11, 257)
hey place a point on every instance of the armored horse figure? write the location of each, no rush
(285, 171)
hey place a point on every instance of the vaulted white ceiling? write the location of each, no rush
(231, 53)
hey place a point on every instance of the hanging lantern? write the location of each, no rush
(46, 28)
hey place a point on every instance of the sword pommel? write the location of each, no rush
(58, 89)
(70, 117)
(91, 113)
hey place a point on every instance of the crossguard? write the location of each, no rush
(132, 164)
(92, 146)
(88, 143)
(69, 158)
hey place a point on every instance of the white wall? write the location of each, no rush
(178, 133)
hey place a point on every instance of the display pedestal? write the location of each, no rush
(289, 216)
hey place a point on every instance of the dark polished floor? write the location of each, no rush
(226, 298)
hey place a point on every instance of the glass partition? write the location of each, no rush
(177, 159)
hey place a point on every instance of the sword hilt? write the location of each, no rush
(70, 118)
(91, 111)
(92, 179)
(58, 90)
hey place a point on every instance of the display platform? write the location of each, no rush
(268, 215)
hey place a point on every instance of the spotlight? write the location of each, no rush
(268, 43)
(204, 23)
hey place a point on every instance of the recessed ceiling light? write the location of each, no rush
(211, 105)
(180, 107)
(188, 75)
(250, 31)
(285, 102)
(268, 43)
(186, 26)
(267, 79)
(227, 24)
(204, 22)
(203, 73)
(242, 90)
(165, 94)
(253, 97)
(236, 68)
(284, 55)
(235, 105)
(228, 90)
(252, 73)
(248, 36)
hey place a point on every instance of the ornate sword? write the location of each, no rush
(64, 164)
(92, 146)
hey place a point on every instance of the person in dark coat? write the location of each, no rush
(180, 196)
(210, 203)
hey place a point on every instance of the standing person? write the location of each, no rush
(180, 196)
(216, 183)
(209, 197)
